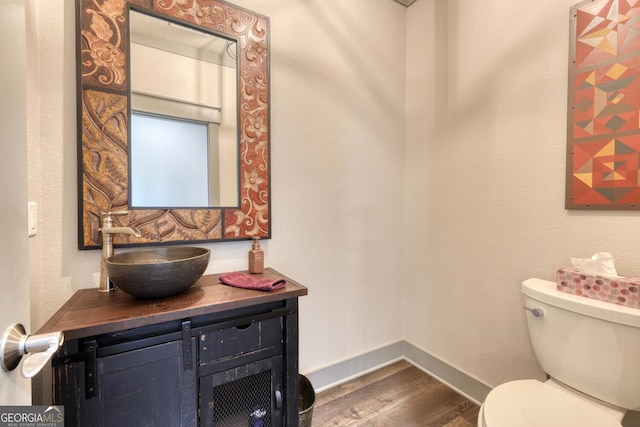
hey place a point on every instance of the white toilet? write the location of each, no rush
(591, 351)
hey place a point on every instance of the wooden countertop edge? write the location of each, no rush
(62, 320)
(49, 325)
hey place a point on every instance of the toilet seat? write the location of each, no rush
(531, 403)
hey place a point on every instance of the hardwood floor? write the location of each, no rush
(399, 395)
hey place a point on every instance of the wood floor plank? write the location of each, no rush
(436, 407)
(459, 422)
(365, 403)
(397, 395)
(471, 413)
(360, 382)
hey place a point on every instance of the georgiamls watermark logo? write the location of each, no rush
(31, 416)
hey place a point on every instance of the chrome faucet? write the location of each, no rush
(108, 230)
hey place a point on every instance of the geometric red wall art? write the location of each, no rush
(603, 141)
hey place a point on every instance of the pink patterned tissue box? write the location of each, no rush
(618, 290)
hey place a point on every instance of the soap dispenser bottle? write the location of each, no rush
(256, 257)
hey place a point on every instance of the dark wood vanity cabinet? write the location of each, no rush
(145, 386)
(214, 356)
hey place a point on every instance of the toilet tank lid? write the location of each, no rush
(545, 291)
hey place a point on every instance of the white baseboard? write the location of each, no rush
(338, 373)
(454, 378)
(354, 367)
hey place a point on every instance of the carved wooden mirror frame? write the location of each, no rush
(103, 118)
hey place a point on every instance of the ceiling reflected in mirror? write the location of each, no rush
(182, 40)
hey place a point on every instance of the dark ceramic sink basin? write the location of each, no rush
(157, 273)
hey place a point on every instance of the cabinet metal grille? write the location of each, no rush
(243, 402)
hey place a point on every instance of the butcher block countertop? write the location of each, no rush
(90, 312)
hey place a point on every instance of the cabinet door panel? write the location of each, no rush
(229, 398)
(145, 387)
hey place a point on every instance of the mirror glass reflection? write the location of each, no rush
(183, 127)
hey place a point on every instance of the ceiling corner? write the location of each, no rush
(406, 3)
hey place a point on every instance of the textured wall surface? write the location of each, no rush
(485, 164)
(337, 117)
(418, 162)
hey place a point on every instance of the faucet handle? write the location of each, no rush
(114, 213)
(107, 221)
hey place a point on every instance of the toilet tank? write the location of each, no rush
(590, 345)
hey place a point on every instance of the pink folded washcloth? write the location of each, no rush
(247, 281)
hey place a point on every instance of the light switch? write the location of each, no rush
(33, 218)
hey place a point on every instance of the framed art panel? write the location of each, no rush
(603, 129)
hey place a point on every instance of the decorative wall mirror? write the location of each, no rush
(214, 86)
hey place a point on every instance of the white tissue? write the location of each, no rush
(600, 263)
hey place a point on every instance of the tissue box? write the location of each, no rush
(618, 290)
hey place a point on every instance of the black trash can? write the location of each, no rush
(306, 400)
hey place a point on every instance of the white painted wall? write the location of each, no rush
(484, 186)
(338, 131)
(155, 72)
(337, 170)
(480, 176)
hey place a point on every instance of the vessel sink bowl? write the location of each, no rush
(157, 273)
